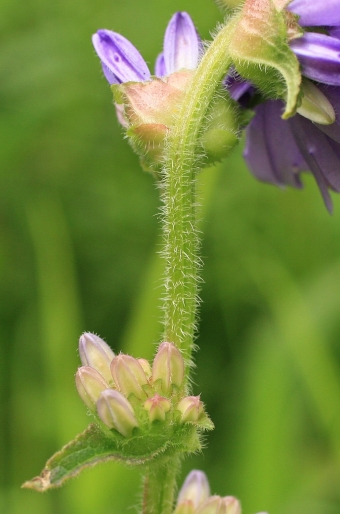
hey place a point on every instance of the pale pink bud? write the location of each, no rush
(210, 506)
(185, 507)
(195, 489)
(90, 383)
(146, 366)
(157, 406)
(191, 408)
(218, 505)
(116, 412)
(230, 505)
(129, 375)
(168, 366)
(94, 352)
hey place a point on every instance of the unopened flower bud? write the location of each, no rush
(191, 408)
(94, 352)
(90, 383)
(210, 506)
(218, 505)
(157, 406)
(185, 507)
(129, 375)
(195, 489)
(230, 505)
(146, 367)
(116, 412)
(168, 366)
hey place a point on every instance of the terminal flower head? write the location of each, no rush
(278, 150)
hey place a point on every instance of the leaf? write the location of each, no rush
(96, 445)
(260, 51)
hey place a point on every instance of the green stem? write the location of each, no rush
(179, 196)
(159, 487)
(182, 163)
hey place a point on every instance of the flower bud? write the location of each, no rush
(185, 507)
(146, 367)
(90, 384)
(230, 505)
(116, 412)
(195, 489)
(191, 408)
(157, 406)
(168, 366)
(210, 506)
(129, 375)
(94, 352)
(218, 505)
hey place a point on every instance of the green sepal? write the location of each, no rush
(261, 53)
(98, 444)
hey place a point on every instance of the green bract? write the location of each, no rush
(260, 51)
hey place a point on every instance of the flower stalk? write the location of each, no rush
(182, 163)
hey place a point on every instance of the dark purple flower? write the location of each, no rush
(278, 150)
(121, 61)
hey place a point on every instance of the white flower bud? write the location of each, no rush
(94, 352)
(116, 412)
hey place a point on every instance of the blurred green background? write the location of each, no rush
(78, 242)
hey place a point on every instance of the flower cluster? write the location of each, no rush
(195, 498)
(278, 150)
(128, 393)
(147, 105)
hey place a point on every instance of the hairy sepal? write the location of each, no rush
(260, 51)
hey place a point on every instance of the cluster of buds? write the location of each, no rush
(128, 393)
(194, 498)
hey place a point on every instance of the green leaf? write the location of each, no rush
(260, 51)
(97, 444)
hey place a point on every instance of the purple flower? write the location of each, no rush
(315, 13)
(121, 61)
(277, 150)
(182, 46)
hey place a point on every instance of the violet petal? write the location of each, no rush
(334, 32)
(319, 56)
(333, 95)
(182, 44)
(321, 153)
(122, 61)
(316, 12)
(271, 152)
(160, 70)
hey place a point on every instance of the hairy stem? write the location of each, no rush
(159, 487)
(182, 163)
(179, 196)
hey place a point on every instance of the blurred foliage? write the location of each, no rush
(78, 242)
